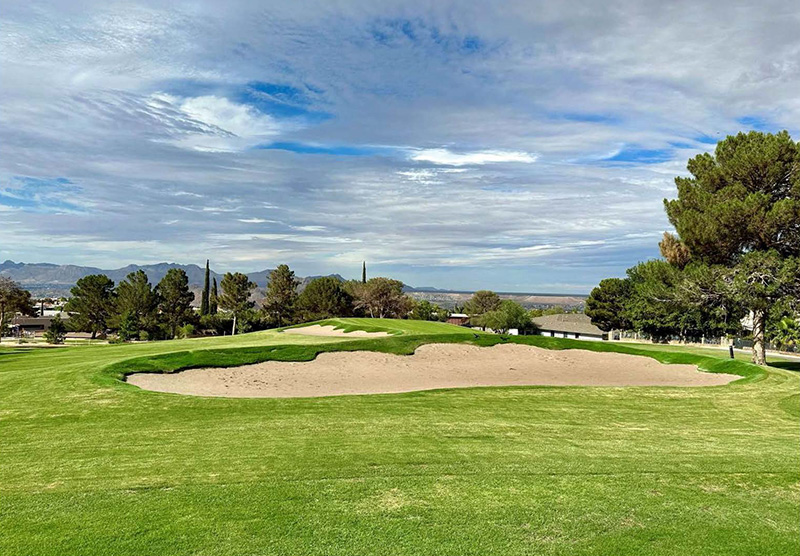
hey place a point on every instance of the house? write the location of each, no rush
(32, 326)
(459, 319)
(576, 326)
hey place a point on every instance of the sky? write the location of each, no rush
(517, 146)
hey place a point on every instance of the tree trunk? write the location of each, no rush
(233, 328)
(759, 344)
(2, 320)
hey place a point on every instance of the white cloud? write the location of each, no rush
(226, 126)
(499, 170)
(446, 157)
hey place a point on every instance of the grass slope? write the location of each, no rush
(90, 465)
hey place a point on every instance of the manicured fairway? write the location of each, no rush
(90, 465)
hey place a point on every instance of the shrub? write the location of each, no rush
(57, 332)
(186, 331)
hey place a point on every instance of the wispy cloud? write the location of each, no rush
(447, 157)
(459, 146)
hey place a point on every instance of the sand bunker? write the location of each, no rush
(432, 366)
(327, 330)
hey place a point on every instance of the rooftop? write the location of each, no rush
(570, 322)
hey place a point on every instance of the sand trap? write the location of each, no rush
(328, 330)
(432, 366)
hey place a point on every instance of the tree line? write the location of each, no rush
(137, 309)
(735, 256)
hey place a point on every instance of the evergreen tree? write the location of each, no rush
(740, 209)
(136, 299)
(175, 300)
(13, 299)
(324, 298)
(382, 298)
(481, 302)
(204, 300)
(509, 314)
(425, 310)
(364, 272)
(128, 326)
(213, 299)
(236, 288)
(57, 332)
(93, 304)
(279, 303)
(607, 302)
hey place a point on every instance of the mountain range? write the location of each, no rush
(52, 280)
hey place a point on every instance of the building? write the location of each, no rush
(459, 319)
(576, 326)
(32, 326)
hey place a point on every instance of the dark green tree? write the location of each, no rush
(57, 332)
(508, 314)
(279, 304)
(13, 299)
(382, 298)
(482, 301)
(741, 208)
(92, 304)
(137, 299)
(606, 304)
(425, 310)
(206, 295)
(128, 326)
(324, 298)
(235, 298)
(213, 299)
(175, 300)
(364, 272)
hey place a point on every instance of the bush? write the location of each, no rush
(220, 323)
(186, 331)
(57, 332)
(144, 335)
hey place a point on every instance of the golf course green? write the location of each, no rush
(91, 465)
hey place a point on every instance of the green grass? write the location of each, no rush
(91, 465)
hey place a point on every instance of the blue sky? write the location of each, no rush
(448, 144)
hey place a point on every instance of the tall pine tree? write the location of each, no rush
(213, 299)
(204, 300)
(364, 272)
(740, 209)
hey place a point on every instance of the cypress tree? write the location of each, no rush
(213, 299)
(364, 272)
(204, 305)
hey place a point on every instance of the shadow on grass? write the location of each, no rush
(786, 365)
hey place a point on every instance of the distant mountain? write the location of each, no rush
(409, 289)
(56, 280)
(47, 279)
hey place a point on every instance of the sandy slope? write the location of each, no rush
(432, 366)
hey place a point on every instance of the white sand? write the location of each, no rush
(432, 366)
(328, 330)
